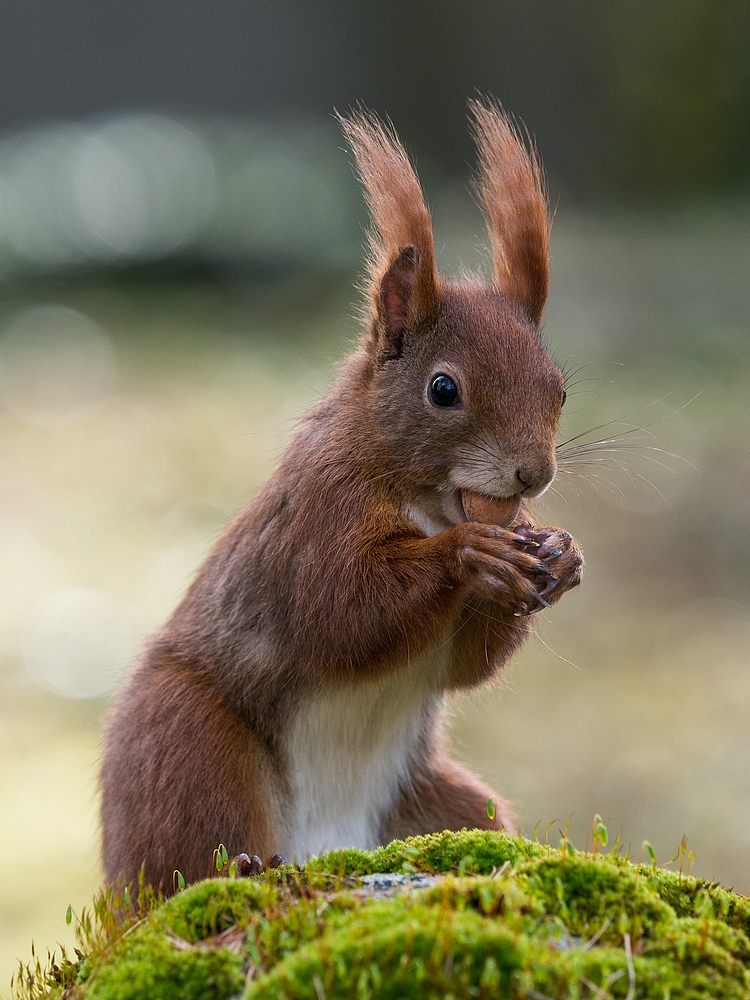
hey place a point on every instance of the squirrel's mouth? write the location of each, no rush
(502, 511)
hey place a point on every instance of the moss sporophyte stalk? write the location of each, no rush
(521, 920)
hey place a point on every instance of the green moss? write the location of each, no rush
(210, 907)
(391, 950)
(508, 918)
(151, 966)
(480, 850)
(587, 893)
(697, 897)
(433, 946)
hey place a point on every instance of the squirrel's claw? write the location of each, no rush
(549, 588)
(541, 601)
(522, 540)
(539, 605)
(246, 866)
(550, 554)
(546, 571)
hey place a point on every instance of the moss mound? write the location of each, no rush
(482, 915)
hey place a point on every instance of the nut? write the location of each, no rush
(501, 511)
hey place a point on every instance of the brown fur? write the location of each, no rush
(326, 588)
(157, 809)
(446, 797)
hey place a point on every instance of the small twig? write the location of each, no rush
(592, 941)
(499, 872)
(130, 930)
(232, 938)
(595, 989)
(133, 927)
(615, 976)
(534, 995)
(179, 943)
(448, 968)
(631, 968)
(318, 984)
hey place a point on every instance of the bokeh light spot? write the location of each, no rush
(78, 643)
(144, 184)
(56, 365)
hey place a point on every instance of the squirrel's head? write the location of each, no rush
(464, 396)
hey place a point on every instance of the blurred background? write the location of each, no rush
(179, 236)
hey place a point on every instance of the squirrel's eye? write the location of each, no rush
(565, 396)
(443, 391)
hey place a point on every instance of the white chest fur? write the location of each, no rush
(350, 750)
(425, 521)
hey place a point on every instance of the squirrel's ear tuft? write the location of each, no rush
(403, 285)
(511, 188)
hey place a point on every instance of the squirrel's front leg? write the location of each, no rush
(484, 559)
(431, 578)
(407, 590)
(491, 628)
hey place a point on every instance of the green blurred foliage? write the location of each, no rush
(627, 100)
(674, 95)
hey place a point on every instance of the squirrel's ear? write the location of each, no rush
(402, 282)
(511, 188)
(396, 298)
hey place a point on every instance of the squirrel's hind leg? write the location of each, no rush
(446, 796)
(180, 775)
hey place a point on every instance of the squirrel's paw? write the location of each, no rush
(560, 553)
(504, 567)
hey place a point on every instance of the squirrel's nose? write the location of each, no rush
(525, 478)
(535, 480)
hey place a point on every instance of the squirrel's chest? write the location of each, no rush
(349, 752)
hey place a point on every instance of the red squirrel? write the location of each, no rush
(293, 703)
